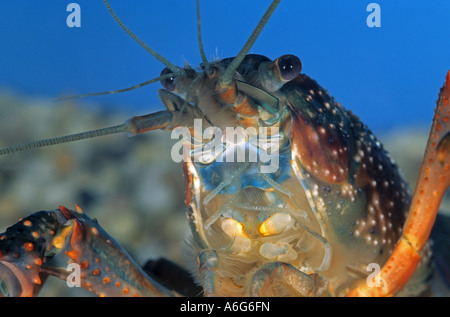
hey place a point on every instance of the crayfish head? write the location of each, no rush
(249, 99)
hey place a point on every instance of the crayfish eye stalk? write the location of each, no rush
(169, 82)
(289, 67)
(273, 75)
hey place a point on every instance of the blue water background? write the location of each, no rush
(389, 76)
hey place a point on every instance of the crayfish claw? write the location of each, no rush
(22, 253)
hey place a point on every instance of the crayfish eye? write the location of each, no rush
(168, 83)
(289, 66)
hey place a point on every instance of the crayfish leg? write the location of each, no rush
(208, 262)
(441, 255)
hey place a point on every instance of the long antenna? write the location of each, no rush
(175, 69)
(226, 78)
(135, 125)
(64, 139)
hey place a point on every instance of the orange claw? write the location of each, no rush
(434, 179)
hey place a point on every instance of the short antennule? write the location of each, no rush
(175, 69)
(226, 78)
(200, 44)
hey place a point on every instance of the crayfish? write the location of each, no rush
(287, 192)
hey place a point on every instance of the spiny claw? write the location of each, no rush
(105, 267)
(50, 242)
(22, 253)
(433, 182)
